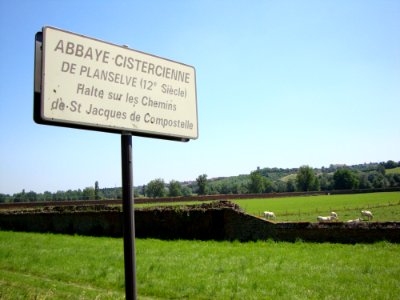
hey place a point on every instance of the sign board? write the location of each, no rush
(85, 83)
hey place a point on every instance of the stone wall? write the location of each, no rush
(215, 221)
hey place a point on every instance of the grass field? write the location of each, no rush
(393, 171)
(385, 206)
(47, 266)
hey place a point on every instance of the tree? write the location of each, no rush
(381, 169)
(364, 182)
(239, 188)
(344, 179)
(60, 196)
(393, 179)
(4, 198)
(202, 184)
(156, 188)
(144, 190)
(186, 191)
(378, 180)
(280, 186)
(291, 185)
(88, 193)
(97, 191)
(257, 182)
(269, 186)
(20, 197)
(390, 164)
(325, 181)
(306, 179)
(31, 196)
(175, 189)
(47, 196)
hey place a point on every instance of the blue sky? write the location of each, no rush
(279, 84)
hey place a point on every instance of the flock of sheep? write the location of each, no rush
(364, 214)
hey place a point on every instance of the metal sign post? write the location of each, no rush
(129, 216)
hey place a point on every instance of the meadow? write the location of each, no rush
(48, 266)
(385, 206)
(393, 171)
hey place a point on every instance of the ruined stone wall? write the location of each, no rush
(202, 222)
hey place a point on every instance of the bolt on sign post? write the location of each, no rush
(85, 83)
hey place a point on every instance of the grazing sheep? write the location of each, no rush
(358, 220)
(269, 215)
(325, 219)
(367, 213)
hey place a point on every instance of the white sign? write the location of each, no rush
(97, 85)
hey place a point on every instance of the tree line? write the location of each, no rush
(88, 193)
(266, 180)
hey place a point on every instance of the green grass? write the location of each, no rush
(47, 266)
(66, 266)
(288, 177)
(393, 171)
(385, 206)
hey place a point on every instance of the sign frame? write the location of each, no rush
(39, 101)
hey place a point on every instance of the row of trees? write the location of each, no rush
(266, 180)
(306, 179)
(345, 179)
(89, 193)
(158, 188)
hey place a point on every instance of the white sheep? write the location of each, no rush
(367, 213)
(269, 215)
(325, 219)
(358, 220)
